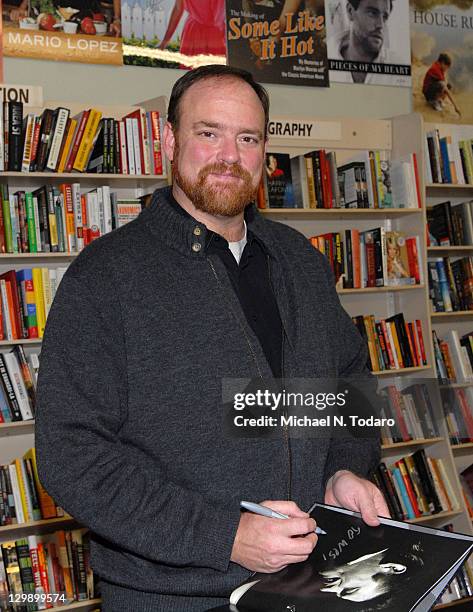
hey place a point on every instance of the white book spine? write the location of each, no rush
(52, 283)
(20, 515)
(29, 503)
(123, 147)
(456, 354)
(65, 236)
(78, 222)
(428, 169)
(18, 384)
(137, 145)
(2, 143)
(448, 485)
(60, 128)
(145, 143)
(46, 290)
(130, 147)
(6, 311)
(100, 209)
(107, 208)
(92, 212)
(39, 244)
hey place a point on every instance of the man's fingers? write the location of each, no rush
(367, 509)
(285, 507)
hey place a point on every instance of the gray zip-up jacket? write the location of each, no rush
(129, 434)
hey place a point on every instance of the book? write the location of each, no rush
(394, 566)
(279, 181)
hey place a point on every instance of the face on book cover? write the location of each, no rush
(218, 151)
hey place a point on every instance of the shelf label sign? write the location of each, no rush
(304, 129)
(39, 44)
(28, 94)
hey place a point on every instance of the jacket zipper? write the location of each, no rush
(287, 441)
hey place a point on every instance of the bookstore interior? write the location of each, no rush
(369, 155)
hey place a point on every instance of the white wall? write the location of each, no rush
(91, 84)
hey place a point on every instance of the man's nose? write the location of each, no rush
(229, 152)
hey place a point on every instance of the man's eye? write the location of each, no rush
(249, 139)
(207, 134)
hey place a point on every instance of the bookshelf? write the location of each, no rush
(17, 437)
(398, 136)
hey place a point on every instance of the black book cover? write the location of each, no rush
(392, 493)
(398, 320)
(116, 137)
(279, 180)
(319, 194)
(5, 379)
(427, 480)
(11, 501)
(42, 196)
(395, 567)
(15, 136)
(348, 284)
(433, 164)
(44, 138)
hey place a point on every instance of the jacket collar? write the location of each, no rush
(182, 232)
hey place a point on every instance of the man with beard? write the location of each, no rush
(146, 323)
(365, 40)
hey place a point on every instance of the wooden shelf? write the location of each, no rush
(460, 314)
(22, 341)
(384, 289)
(402, 371)
(466, 248)
(88, 604)
(43, 526)
(451, 604)
(464, 385)
(65, 256)
(310, 213)
(17, 428)
(408, 443)
(435, 517)
(448, 186)
(460, 447)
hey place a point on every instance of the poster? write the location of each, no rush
(279, 42)
(67, 30)
(173, 33)
(368, 42)
(442, 90)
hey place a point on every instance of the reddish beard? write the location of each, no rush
(227, 199)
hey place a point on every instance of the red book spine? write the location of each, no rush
(326, 185)
(421, 341)
(409, 488)
(413, 258)
(77, 139)
(35, 141)
(85, 220)
(370, 264)
(411, 346)
(416, 176)
(415, 343)
(394, 398)
(157, 157)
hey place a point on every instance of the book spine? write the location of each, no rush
(15, 144)
(57, 139)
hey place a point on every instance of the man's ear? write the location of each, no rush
(169, 141)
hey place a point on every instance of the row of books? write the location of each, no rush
(314, 180)
(371, 258)
(450, 284)
(18, 375)
(88, 142)
(449, 155)
(26, 297)
(393, 343)
(61, 219)
(450, 225)
(457, 406)
(411, 410)
(22, 496)
(462, 584)
(453, 356)
(45, 571)
(416, 485)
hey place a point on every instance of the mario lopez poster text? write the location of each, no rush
(279, 42)
(368, 42)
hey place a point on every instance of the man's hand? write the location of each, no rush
(268, 545)
(346, 490)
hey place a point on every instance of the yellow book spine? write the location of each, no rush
(39, 300)
(22, 485)
(87, 140)
(67, 145)
(396, 343)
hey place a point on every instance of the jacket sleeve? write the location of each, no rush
(116, 490)
(360, 455)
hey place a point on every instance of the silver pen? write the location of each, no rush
(265, 511)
